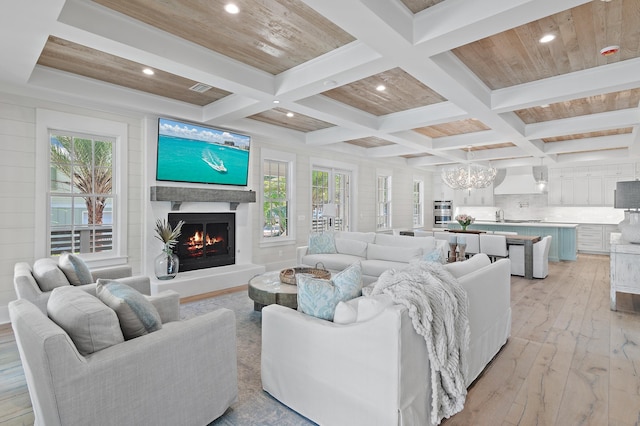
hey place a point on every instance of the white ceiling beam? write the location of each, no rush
(498, 153)
(480, 138)
(584, 124)
(599, 156)
(609, 78)
(429, 115)
(589, 144)
(455, 23)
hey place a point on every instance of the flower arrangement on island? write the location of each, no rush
(465, 220)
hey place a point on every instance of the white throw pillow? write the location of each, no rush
(392, 253)
(346, 312)
(426, 243)
(369, 307)
(352, 247)
(91, 324)
(75, 269)
(367, 237)
(48, 275)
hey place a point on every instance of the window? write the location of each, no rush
(330, 186)
(81, 196)
(383, 216)
(418, 203)
(81, 191)
(277, 172)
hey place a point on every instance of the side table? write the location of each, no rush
(266, 289)
(624, 267)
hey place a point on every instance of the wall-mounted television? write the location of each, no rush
(195, 153)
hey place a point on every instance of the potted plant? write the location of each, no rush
(167, 263)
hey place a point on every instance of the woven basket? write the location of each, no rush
(288, 276)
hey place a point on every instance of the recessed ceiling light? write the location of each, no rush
(381, 88)
(276, 101)
(330, 83)
(148, 71)
(231, 8)
(290, 114)
(544, 106)
(547, 38)
(609, 50)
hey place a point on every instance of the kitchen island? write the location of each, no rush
(563, 241)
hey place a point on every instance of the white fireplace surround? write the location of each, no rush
(202, 281)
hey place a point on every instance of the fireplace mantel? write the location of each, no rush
(178, 194)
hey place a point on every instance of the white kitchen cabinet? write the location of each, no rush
(587, 185)
(594, 238)
(475, 197)
(591, 238)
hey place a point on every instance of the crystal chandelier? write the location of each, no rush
(471, 176)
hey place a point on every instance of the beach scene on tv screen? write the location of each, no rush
(192, 153)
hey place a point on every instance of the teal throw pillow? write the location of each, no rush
(433, 256)
(322, 243)
(135, 312)
(75, 269)
(319, 298)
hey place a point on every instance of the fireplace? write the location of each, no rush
(207, 240)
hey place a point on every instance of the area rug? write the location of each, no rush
(254, 406)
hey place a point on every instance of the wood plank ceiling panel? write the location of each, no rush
(416, 6)
(271, 35)
(402, 92)
(75, 58)
(492, 146)
(583, 106)
(370, 142)
(302, 123)
(600, 134)
(452, 128)
(516, 56)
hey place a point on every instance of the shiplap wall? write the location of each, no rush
(17, 185)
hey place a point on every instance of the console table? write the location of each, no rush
(625, 267)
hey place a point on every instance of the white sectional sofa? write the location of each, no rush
(376, 371)
(376, 252)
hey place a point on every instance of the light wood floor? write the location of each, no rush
(570, 359)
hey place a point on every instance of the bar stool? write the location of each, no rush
(494, 246)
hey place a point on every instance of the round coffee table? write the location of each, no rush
(266, 289)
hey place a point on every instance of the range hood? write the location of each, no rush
(517, 180)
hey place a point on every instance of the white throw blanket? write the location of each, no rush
(438, 308)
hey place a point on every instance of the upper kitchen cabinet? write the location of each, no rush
(587, 185)
(474, 197)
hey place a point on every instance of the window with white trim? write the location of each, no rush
(80, 197)
(383, 212)
(81, 191)
(277, 190)
(418, 203)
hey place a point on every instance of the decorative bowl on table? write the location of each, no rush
(288, 276)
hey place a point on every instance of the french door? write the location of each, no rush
(330, 199)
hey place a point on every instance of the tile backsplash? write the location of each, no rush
(536, 207)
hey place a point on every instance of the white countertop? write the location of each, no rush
(520, 224)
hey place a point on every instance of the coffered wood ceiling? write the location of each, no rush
(463, 81)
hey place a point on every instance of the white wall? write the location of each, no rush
(17, 189)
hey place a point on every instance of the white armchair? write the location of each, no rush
(184, 373)
(540, 258)
(27, 286)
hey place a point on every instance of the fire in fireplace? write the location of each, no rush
(207, 239)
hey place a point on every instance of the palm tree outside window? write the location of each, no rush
(81, 201)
